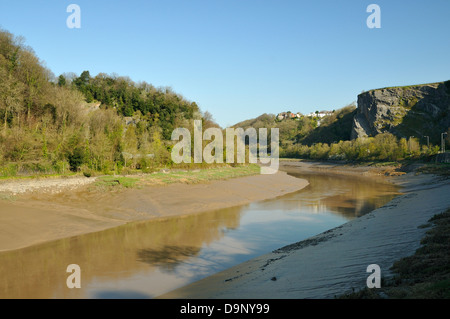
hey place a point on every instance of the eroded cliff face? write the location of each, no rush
(419, 110)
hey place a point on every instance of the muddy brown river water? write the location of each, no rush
(147, 259)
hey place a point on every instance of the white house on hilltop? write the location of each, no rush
(320, 114)
(286, 115)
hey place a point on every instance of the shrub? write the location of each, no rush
(76, 159)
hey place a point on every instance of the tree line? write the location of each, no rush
(382, 147)
(56, 124)
(108, 123)
(305, 138)
(160, 106)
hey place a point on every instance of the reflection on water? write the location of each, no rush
(167, 257)
(146, 259)
(350, 196)
(118, 253)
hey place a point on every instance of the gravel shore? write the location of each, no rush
(45, 185)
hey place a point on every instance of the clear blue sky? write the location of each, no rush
(241, 58)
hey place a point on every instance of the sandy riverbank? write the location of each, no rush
(52, 209)
(333, 263)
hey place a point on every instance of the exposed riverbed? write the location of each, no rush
(149, 258)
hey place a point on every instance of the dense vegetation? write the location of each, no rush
(305, 138)
(382, 147)
(307, 130)
(108, 123)
(160, 107)
(53, 125)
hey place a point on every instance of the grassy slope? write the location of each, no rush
(181, 176)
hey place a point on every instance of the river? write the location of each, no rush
(147, 259)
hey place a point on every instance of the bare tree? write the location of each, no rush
(11, 97)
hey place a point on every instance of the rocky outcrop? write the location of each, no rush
(419, 110)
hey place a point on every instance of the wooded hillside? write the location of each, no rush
(52, 124)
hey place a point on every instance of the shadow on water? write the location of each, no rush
(167, 257)
(146, 259)
(40, 271)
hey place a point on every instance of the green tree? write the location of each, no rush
(76, 158)
(62, 80)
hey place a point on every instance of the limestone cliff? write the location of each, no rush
(419, 110)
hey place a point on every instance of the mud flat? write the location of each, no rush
(334, 262)
(50, 209)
